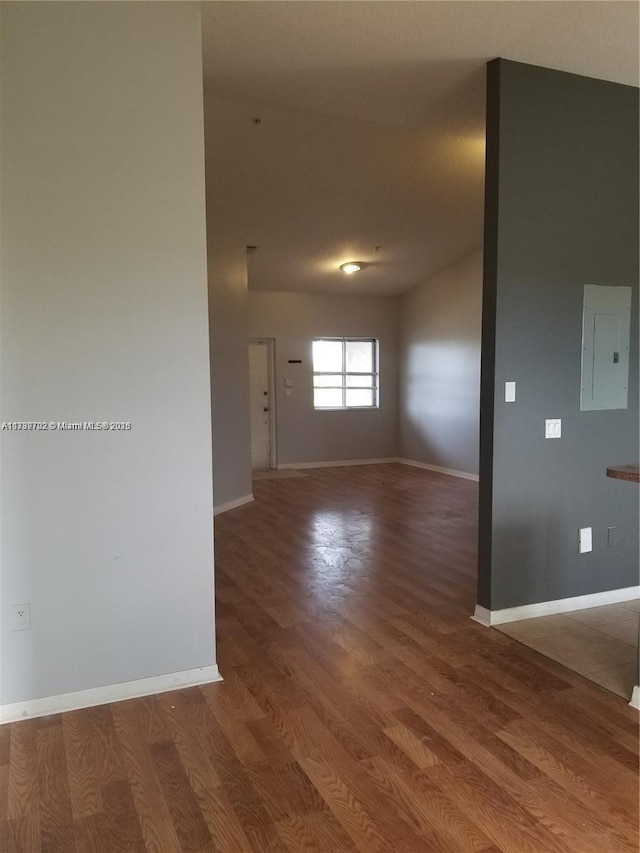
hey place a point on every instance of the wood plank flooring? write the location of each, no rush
(362, 710)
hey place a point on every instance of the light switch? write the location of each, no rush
(553, 428)
(288, 383)
(288, 392)
(509, 392)
(585, 543)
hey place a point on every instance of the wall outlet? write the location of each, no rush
(21, 617)
(585, 540)
(614, 537)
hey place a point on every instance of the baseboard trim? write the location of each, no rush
(384, 461)
(549, 608)
(464, 475)
(482, 615)
(635, 698)
(33, 708)
(336, 464)
(245, 499)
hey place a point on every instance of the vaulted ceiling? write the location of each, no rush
(355, 130)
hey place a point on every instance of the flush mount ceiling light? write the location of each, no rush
(351, 267)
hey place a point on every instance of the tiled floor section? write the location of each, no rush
(600, 643)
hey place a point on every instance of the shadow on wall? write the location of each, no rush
(441, 378)
(517, 545)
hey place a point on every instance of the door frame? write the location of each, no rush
(270, 344)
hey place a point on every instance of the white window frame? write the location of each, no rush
(375, 373)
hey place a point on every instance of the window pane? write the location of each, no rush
(359, 398)
(331, 380)
(365, 381)
(327, 356)
(360, 356)
(327, 398)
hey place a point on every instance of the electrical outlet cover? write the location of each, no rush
(585, 542)
(21, 617)
(614, 537)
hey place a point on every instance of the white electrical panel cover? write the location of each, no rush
(606, 317)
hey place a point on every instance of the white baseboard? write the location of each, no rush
(450, 471)
(337, 464)
(560, 605)
(635, 698)
(245, 499)
(412, 462)
(482, 615)
(32, 708)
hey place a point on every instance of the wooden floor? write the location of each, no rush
(361, 708)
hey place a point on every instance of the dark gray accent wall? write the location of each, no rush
(561, 212)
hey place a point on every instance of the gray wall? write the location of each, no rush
(294, 320)
(561, 212)
(228, 314)
(104, 317)
(439, 384)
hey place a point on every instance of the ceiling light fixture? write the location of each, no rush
(351, 267)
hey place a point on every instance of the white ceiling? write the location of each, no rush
(372, 124)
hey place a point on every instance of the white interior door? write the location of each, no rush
(260, 398)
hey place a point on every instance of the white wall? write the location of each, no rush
(294, 320)
(104, 316)
(439, 399)
(228, 318)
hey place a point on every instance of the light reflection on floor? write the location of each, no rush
(342, 544)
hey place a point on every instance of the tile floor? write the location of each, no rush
(600, 643)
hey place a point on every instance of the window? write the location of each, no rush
(345, 373)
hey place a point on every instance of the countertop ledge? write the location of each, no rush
(625, 472)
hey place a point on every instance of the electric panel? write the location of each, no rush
(606, 317)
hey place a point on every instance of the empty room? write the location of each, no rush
(319, 427)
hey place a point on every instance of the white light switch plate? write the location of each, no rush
(585, 540)
(509, 392)
(553, 428)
